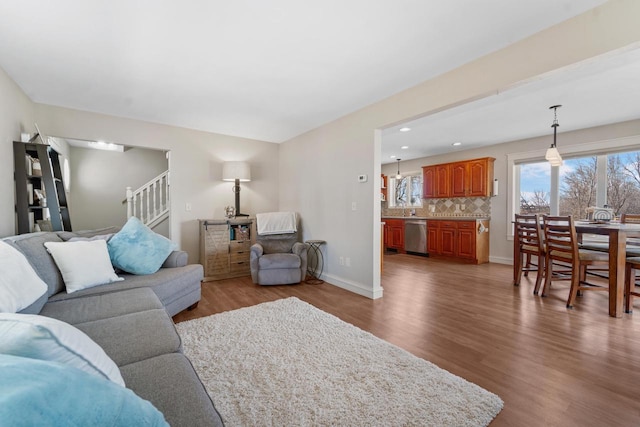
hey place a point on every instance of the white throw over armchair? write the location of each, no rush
(277, 257)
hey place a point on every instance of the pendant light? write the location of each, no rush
(398, 176)
(553, 156)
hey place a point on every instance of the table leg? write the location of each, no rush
(617, 261)
(516, 259)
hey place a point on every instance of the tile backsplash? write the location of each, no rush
(461, 206)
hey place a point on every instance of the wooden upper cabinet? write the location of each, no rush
(428, 181)
(471, 178)
(480, 173)
(436, 181)
(459, 179)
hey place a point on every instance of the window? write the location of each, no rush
(406, 191)
(611, 179)
(535, 187)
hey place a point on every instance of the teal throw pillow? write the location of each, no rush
(137, 249)
(42, 393)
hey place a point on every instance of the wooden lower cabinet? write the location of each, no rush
(394, 234)
(462, 239)
(225, 247)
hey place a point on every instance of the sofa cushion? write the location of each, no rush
(32, 247)
(36, 307)
(83, 264)
(44, 338)
(133, 337)
(169, 284)
(103, 306)
(40, 393)
(137, 249)
(20, 285)
(170, 382)
(67, 235)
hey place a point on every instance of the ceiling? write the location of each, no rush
(600, 92)
(256, 69)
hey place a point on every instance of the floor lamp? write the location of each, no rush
(236, 172)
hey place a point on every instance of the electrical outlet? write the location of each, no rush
(347, 262)
(187, 207)
(341, 260)
(362, 178)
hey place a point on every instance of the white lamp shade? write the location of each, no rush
(236, 170)
(553, 156)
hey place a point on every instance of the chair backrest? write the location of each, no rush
(277, 243)
(561, 240)
(528, 232)
(630, 219)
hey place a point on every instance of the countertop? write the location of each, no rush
(447, 218)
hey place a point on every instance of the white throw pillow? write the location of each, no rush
(83, 264)
(45, 338)
(20, 285)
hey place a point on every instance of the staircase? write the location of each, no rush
(150, 203)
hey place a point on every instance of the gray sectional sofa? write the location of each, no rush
(131, 321)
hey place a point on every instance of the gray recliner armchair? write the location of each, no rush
(278, 258)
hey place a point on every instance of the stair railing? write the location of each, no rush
(150, 202)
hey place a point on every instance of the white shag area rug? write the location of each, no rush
(287, 363)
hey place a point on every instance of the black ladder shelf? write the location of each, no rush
(28, 209)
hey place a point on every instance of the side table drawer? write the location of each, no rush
(240, 267)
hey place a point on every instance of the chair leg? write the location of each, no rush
(518, 267)
(576, 275)
(541, 275)
(629, 283)
(527, 265)
(548, 272)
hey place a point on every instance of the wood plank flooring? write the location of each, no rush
(550, 365)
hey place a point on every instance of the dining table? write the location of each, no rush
(617, 233)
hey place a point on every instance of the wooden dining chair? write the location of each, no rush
(561, 246)
(632, 265)
(528, 235)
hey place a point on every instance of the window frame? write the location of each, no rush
(391, 190)
(596, 148)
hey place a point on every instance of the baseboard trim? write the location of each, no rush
(356, 288)
(501, 260)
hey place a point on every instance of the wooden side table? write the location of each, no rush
(315, 261)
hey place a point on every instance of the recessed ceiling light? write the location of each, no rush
(392, 157)
(405, 129)
(404, 147)
(455, 144)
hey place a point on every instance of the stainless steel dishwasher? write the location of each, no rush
(415, 236)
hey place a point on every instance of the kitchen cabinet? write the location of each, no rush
(436, 181)
(466, 240)
(383, 188)
(394, 234)
(469, 178)
(225, 247)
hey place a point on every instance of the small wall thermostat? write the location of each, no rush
(362, 178)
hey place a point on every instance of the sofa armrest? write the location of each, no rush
(256, 250)
(176, 259)
(299, 249)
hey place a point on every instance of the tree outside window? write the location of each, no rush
(578, 185)
(406, 191)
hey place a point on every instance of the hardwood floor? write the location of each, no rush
(550, 365)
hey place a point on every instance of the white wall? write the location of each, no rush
(319, 168)
(195, 165)
(99, 180)
(16, 116)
